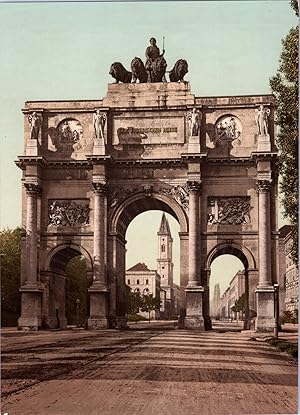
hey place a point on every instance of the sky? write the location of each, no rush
(63, 51)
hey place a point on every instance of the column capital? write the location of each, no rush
(99, 188)
(33, 189)
(263, 186)
(193, 186)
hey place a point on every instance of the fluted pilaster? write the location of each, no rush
(32, 192)
(194, 234)
(264, 249)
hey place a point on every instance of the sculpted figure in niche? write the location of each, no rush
(99, 124)
(261, 118)
(195, 121)
(34, 121)
(154, 58)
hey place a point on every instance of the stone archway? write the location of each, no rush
(250, 272)
(53, 279)
(84, 188)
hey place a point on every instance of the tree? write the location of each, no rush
(10, 251)
(240, 305)
(134, 301)
(285, 88)
(150, 303)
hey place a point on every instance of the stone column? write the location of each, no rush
(194, 290)
(31, 292)
(265, 291)
(99, 291)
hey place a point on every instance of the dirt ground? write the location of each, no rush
(149, 369)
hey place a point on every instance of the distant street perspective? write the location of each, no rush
(149, 369)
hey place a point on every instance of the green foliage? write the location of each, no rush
(289, 317)
(240, 304)
(285, 88)
(134, 301)
(150, 303)
(285, 346)
(10, 250)
(76, 288)
(137, 302)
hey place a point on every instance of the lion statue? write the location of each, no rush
(138, 70)
(159, 67)
(179, 70)
(120, 74)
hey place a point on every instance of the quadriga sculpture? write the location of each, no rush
(138, 70)
(179, 70)
(159, 67)
(120, 74)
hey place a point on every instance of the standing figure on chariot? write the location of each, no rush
(152, 53)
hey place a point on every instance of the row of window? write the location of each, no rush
(137, 282)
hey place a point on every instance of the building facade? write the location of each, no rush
(141, 279)
(289, 276)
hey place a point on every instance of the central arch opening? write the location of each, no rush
(146, 251)
(153, 265)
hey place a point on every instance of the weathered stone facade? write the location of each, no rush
(82, 188)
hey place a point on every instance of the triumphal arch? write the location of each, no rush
(89, 167)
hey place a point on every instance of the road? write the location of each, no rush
(146, 370)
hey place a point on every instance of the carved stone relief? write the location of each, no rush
(68, 137)
(179, 193)
(228, 129)
(117, 194)
(229, 210)
(68, 212)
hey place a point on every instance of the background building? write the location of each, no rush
(235, 290)
(145, 281)
(288, 273)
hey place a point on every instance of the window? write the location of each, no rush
(163, 248)
(147, 282)
(162, 267)
(137, 282)
(128, 282)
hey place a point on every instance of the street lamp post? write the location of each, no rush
(77, 311)
(276, 309)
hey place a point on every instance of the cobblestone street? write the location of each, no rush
(149, 369)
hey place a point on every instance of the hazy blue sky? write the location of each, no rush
(61, 51)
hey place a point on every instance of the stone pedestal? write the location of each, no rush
(263, 142)
(32, 148)
(194, 308)
(265, 321)
(98, 308)
(99, 148)
(194, 145)
(31, 317)
(158, 94)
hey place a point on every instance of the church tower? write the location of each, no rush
(164, 261)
